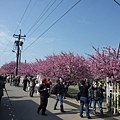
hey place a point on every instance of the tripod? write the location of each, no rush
(8, 96)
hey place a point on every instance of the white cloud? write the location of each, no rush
(6, 44)
(5, 37)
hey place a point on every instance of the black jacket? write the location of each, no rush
(97, 93)
(60, 88)
(83, 91)
(43, 93)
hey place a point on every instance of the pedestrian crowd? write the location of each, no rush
(90, 94)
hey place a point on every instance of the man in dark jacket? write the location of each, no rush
(25, 81)
(97, 97)
(44, 94)
(84, 99)
(59, 96)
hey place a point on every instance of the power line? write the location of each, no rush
(53, 23)
(41, 15)
(46, 18)
(29, 13)
(17, 26)
(9, 57)
(5, 49)
(116, 2)
(23, 15)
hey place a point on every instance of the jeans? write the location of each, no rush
(31, 91)
(99, 102)
(84, 101)
(90, 101)
(15, 83)
(59, 97)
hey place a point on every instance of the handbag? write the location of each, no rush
(77, 97)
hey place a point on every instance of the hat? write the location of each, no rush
(44, 79)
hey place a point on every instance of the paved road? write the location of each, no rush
(24, 108)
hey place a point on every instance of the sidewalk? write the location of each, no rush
(24, 108)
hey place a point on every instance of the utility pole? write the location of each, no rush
(18, 43)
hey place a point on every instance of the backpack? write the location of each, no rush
(54, 90)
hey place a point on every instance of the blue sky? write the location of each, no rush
(90, 23)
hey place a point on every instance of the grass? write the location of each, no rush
(72, 91)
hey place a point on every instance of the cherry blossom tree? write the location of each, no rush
(8, 68)
(25, 69)
(67, 66)
(105, 63)
(73, 67)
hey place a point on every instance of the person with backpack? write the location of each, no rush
(59, 95)
(97, 97)
(54, 89)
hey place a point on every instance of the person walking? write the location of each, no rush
(84, 99)
(89, 91)
(18, 80)
(90, 97)
(65, 89)
(97, 97)
(101, 93)
(25, 81)
(59, 96)
(32, 86)
(44, 95)
(50, 84)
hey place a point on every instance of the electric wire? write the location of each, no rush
(53, 24)
(46, 18)
(23, 16)
(41, 15)
(9, 57)
(21, 21)
(5, 51)
(1, 54)
(29, 13)
(116, 2)
(5, 48)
